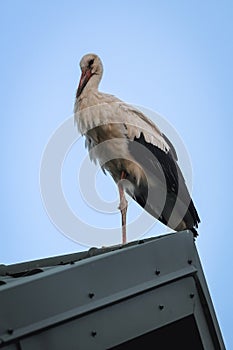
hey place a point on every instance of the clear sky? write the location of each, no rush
(173, 57)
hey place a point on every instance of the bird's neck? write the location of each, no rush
(89, 97)
(92, 85)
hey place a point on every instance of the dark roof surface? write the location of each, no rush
(122, 297)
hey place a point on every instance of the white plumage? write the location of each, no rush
(131, 147)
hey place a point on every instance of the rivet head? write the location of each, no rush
(157, 272)
(191, 295)
(91, 295)
(161, 307)
(93, 333)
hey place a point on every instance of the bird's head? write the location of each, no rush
(91, 66)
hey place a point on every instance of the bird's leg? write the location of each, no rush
(123, 206)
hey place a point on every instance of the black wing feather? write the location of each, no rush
(165, 168)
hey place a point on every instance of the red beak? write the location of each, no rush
(86, 74)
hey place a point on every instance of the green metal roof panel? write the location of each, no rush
(108, 297)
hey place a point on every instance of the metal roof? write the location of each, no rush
(121, 297)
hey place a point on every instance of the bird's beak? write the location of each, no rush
(86, 74)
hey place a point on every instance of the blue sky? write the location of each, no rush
(173, 57)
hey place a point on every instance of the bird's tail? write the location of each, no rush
(194, 231)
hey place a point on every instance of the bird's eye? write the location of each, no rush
(91, 62)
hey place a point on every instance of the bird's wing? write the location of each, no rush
(164, 194)
(141, 129)
(157, 157)
(137, 123)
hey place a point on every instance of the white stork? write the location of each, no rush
(139, 157)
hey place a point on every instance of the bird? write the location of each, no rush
(131, 148)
